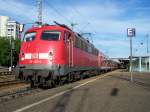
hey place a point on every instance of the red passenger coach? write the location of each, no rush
(51, 54)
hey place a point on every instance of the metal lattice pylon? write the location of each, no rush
(39, 5)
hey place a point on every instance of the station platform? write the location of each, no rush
(109, 92)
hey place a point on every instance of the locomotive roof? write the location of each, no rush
(34, 28)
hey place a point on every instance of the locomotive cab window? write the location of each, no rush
(29, 37)
(50, 35)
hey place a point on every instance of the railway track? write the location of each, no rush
(20, 92)
(7, 83)
(21, 89)
(14, 89)
(5, 73)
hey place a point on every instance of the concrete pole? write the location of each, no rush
(146, 65)
(149, 63)
(11, 52)
(140, 67)
(131, 59)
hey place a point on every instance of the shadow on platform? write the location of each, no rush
(114, 92)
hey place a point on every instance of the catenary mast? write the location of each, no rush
(39, 7)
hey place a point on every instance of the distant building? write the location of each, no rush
(9, 28)
(3, 26)
(13, 29)
(141, 63)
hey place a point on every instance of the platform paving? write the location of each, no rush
(110, 93)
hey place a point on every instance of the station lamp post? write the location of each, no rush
(130, 34)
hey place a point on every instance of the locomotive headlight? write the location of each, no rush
(22, 56)
(50, 56)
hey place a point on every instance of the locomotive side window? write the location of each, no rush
(50, 35)
(29, 36)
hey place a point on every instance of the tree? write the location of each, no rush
(5, 51)
(17, 43)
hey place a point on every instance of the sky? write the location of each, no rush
(106, 20)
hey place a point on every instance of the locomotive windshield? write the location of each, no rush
(29, 36)
(50, 35)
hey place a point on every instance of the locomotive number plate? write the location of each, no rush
(34, 56)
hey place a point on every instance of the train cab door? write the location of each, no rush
(68, 40)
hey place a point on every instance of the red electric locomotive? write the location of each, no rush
(51, 53)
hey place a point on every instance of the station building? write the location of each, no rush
(13, 29)
(3, 25)
(141, 64)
